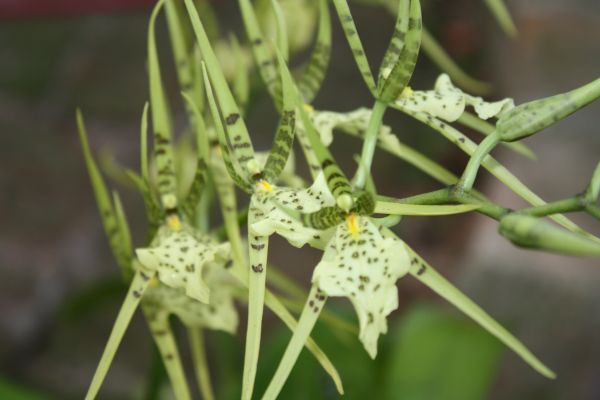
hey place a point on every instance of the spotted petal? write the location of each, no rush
(448, 102)
(178, 256)
(359, 263)
(272, 219)
(219, 314)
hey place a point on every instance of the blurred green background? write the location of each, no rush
(60, 289)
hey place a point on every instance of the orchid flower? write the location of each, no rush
(363, 261)
(180, 272)
(260, 181)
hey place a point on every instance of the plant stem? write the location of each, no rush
(470, 173)
(571, 204)
(369, 144)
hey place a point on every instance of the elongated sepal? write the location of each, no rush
(308, 318)
(233, 168)
(154, 212)
(235, 127)
(111, 222)
(284, 138)
(314, 73)
(532, 117)
(167, 347)
(259, 248)
(241, 84)
(397, 77)
(197, 345)
(337, 182)
(358, 52)
(138, 286)
(532, 232)
(192, 199)
(144, 143)
(263, 56)
(425, 273)
(161, 122)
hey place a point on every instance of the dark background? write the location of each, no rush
(52, 247)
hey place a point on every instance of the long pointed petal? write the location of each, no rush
(196, 336)
(421, 270)
(161, 122)
(233, 168)
(314, 72)
(404, 64)
(259, 246)
(308, 318)
(165, 341)
(284, 138)
(265, 60)
(139, 284)
(349, 27)
(105, 207)
(235, 126)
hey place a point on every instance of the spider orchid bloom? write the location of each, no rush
(448, 102)
(160, 301)
(362, 265)
(269, 218)
(178, 255)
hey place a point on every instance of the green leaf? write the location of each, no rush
(436, 355)
(358, 52)
(314, 73)
(12, 391)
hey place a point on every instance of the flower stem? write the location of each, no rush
(470, 173)
(369, 144)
